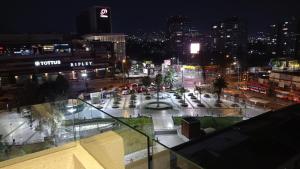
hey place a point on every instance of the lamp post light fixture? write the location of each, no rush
(182, 71)
(123, 69)
(84, 75)
(237, 66)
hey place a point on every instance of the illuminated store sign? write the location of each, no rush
(104, 13)
(47, 63)
(81, 64)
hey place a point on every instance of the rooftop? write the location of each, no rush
(266, 141)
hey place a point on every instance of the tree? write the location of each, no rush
(61, 85)
(48, 91)
(158, 82)
(146, 82)
(169, 78)
(218, 85)
(28, 94)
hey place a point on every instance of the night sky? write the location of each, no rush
(23, 16)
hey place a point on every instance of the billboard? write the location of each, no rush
(195, 48)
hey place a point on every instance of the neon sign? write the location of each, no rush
(79, 64)
(47, 63)
(104, 13)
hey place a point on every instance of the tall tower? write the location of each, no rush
(177, 32)
(230, 39)
(96, 19)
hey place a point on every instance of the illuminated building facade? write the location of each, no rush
(230, 40)
(25, 55)
(94, 51)
(287, 38)
(284, 38)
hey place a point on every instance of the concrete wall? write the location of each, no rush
(101, 151)
(107, 149)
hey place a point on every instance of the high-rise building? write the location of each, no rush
(258, 51)
(283, 38)
(298, 41)
(272, 44)
(96, 19)
(287, 38)
(230, 40)
(177, 31)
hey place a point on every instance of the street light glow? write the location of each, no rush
(84, 74)
(195, 48)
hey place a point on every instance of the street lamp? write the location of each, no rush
(200, 92)
(182, 69)
(237, 65)
(123, 62)
(84, 75)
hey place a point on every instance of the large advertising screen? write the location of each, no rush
(195, 48)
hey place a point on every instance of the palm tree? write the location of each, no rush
(218, 85)
(158, 82)
(169, 78)
(61, 85)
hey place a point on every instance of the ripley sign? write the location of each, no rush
(81, 64)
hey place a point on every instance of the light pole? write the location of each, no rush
(182, 69)
(84, 75)
(123, 62)
(200, 92)
(237, 66)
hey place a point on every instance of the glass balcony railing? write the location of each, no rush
(49, 126)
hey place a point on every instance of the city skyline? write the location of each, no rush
(35, 16)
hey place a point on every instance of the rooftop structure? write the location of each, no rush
(270, 141)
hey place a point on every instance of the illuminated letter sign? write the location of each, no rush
(47, 63)
(104, 13)
(81, 64)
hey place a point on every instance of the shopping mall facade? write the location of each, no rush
(44, 55)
